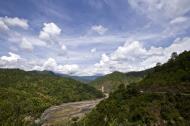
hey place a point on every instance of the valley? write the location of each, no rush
(94, 62)
(156, 96)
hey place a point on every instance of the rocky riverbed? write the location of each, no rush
(65, 112)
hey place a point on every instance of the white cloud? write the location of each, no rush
(68, 68)
(49, 31)
(6, 22)
(105, 58)
(15, 61)
(134, 56)
(161, 10)
(11, 58)
(178, 20)
(99, 29)
(93, 50)
(133, 49)
(100, 67)
(3, 26)
(10, 61)
(52, 65)
(167, 19)
(131, 56)
(26, 44)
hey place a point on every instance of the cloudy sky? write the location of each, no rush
(89, 37)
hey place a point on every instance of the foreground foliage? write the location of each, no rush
(25, 95)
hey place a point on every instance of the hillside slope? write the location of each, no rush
(25, 95)
(113, 80)
(173, 76)
(161, 99)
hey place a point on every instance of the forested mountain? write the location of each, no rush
(113, 80)
(140, 74)
(173, 76)
(162, 98)
(25, 95)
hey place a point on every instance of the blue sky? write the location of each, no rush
(89, 37)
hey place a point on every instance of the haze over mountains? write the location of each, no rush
(84, 79)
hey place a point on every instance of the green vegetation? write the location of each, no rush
(110, 81)
(173, 76)
(162, 98)
(25, 95)
(128, 107)
(113, 80)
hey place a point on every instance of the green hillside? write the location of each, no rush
(113, 80)
(173, 76)
(128, 107)
(25, 95)
(161, 99)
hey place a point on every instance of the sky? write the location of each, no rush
(91, 37)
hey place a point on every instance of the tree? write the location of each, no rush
(174, 55)
(158, 64)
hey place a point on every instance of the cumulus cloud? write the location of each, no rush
(131, 56)
(6, 22)
(99, 29)
(11, 58)
(68, 68)
(52, 65)
(134, 56)
(104, 59)
(134, 49)
(15, 61)
(49, 31)
(9, 61)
